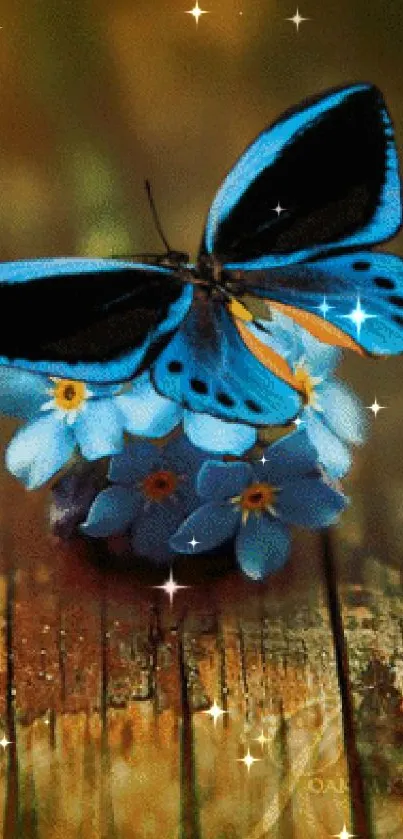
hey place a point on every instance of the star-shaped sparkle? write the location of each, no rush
(324, 308)
(297, 19)
(375, 408)
(358, 316)
(193, 542)
(170, 587)
(279, 209)
(248, 760)
(262, 739)
(263, 460)
(297, 422)
(196, 12)
(4, 742)
(215, 712)
(344, 834)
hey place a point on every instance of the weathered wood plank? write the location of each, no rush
(367, 556)
(277, 676)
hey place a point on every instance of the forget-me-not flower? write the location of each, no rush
(256, 502)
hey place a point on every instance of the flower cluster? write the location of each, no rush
(181, 482)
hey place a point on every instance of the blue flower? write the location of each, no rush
(153, 489)
(61, 414)
(333, 416)
(64, 414)
(256, 502)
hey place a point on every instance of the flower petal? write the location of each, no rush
(290, 456)
(183, 458)
(310, 502)
(152, 531)
(217, 436)
(99, 429)
(321, 359)
(147, 413)
(223, 480)
(39, 450)
(111, 512)
(210, 525)
(138, 459)
(262, 546)
(22, 394)
(334, 455)
(343, 411)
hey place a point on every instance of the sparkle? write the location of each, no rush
(196, 12)
(262, 739)
(297, 19)
(324, 308)
(344, 834)
(248, 760)
(4, 742)
(215, 712)
(298, 422)
(263, 460)
(375, 408)
(193, 542)
(279, 209)
(358, 316)
(170, 587)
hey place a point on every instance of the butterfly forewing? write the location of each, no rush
(96, 320)
(332, 168)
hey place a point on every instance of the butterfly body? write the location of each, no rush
(291, 229)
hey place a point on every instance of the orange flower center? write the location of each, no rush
(68, 394)
(257, 498)
(159, 485)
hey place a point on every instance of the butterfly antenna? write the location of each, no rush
(155, 216)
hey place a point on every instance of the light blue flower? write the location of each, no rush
(333, 416)
(63, 415)
(256, 502)
(153, 490)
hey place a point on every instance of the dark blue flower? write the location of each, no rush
(256, 502)
(153, 490)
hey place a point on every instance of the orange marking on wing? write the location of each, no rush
(268, 357)
(318, 327)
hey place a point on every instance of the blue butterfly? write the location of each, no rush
(287, 231)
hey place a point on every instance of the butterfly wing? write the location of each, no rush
(353, 300)
(332, 164)
(97, 320)
(207, 367)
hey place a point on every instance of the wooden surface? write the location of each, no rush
(104, 688)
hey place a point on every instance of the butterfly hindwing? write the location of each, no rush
(331, 164)
(360, 294)
(207, 367)
(91, 319)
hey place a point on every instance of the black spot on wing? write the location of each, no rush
(384, 282)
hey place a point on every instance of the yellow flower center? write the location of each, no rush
(307, 384)
(68, 394)
(159, 485)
